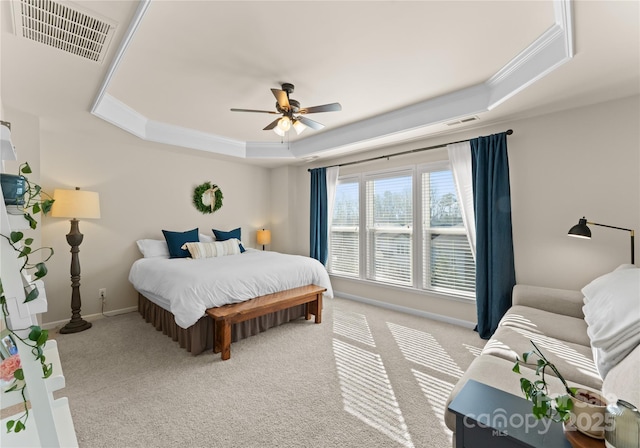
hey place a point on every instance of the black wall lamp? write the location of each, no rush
(581, 230)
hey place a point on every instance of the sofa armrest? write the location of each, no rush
(559, 301)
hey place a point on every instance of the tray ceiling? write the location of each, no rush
(402, 70)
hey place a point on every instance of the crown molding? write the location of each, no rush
(119, 114)
(549, 51)
(122, 48)
(169, 134)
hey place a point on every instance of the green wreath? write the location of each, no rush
(204, 205)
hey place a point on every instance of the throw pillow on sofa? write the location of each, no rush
(612, 313)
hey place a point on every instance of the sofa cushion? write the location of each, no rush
(558, 301)
(574, 361)
(559, 326)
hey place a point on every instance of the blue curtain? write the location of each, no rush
(495, 271)
(319, 242)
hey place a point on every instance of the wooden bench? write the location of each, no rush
(227, 315)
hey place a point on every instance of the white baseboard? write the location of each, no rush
(390, 306)
(407, 310)
(90, 317)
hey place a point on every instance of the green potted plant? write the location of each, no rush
(580, 408)
(11, 371)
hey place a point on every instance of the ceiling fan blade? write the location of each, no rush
(310, 123)
(333, 107)
(282, 98)
(254, 110)
(272, 125)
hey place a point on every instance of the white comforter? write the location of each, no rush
(192, 286)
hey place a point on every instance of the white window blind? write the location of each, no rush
(344, 258)
(389, 212)
(448, 263)
(402, 227)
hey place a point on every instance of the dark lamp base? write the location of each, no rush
(75, 327)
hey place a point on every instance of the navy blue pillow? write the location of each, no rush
(175, 240)
(224, 236)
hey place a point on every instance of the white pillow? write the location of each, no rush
(153, 248)
(205, 238)
(213, 249)
(612, 313)
(601, 283)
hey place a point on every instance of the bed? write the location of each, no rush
(173, 294)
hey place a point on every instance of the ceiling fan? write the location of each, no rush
(292, 114)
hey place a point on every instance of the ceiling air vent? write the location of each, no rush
(463, 120)
(63, 26)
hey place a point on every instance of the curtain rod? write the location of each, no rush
(508, 132)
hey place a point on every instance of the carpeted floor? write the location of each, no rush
(365, 377)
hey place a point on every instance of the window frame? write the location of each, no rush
(418, 274)
(369, 256)
(354, 178)
(444, 165)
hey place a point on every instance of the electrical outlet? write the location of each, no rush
(102, 294)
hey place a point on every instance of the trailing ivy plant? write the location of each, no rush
(557, 408)
(33, 204)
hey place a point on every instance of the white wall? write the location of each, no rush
(563, 165)
(284, 232)
(144, 188)
(580, 162)
(25, 135)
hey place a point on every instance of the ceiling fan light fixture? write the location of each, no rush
(284, 124)
(299, 127)
(290, 108)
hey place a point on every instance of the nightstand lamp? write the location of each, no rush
(263, 237)
(75, 204)
(581, 230)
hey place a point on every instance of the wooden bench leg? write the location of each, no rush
(318, 304)
(217, 336)
(225, 339)
(307, 311)
(315, 307)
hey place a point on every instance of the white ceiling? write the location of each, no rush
(400, 69)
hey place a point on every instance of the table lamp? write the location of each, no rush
(264, 237)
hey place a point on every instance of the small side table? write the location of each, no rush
(487, 417)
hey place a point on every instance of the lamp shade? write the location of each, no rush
(580, 230)
(264, 237)
(284, 123)
(76, 204)
(299, 127)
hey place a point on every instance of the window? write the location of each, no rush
(389, 213)
(402, 227)
(344, 239)
(448, 263)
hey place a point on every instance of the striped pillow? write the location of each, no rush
(213, 249)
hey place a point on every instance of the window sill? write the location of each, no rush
(424, 292)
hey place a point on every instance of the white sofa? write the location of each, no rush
(554, 320)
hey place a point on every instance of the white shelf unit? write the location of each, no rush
(49, 423)
(54, 382)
